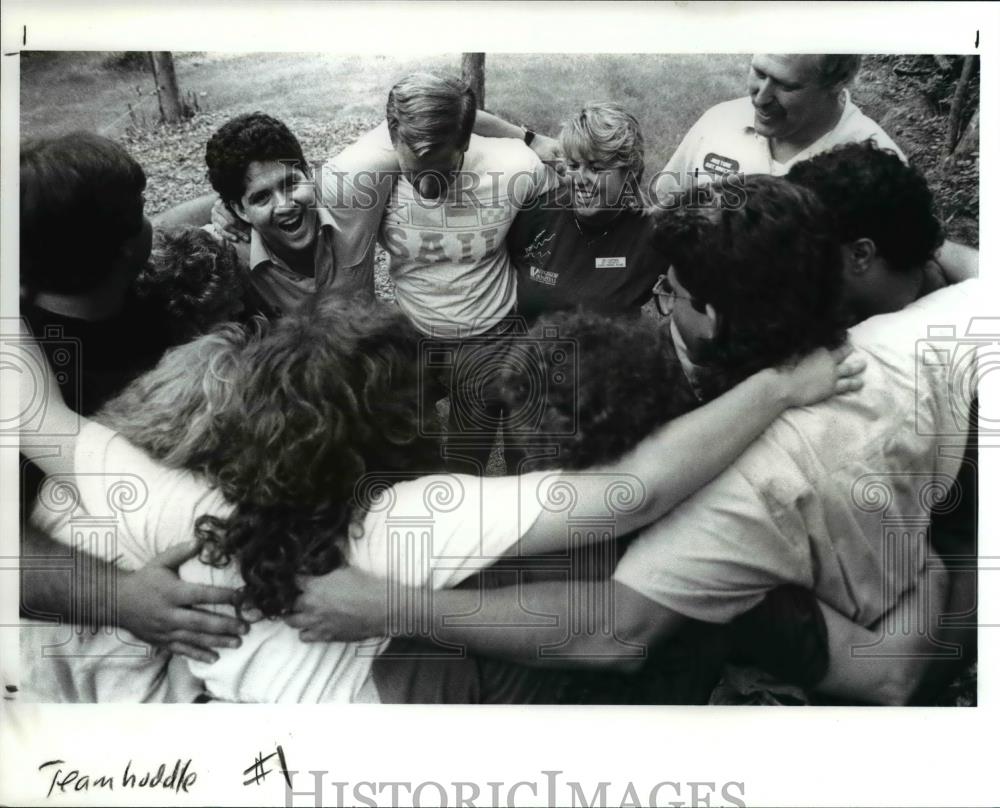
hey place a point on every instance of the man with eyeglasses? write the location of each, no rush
(797, 106)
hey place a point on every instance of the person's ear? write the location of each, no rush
(862, 255)
(236, 208)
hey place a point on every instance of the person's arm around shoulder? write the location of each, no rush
(47, 422)
(680, 457)
(505, 622)
(195, 212)
(672, 463)
(151, 602)
(355, 187)
(957, 262)
(489, 125)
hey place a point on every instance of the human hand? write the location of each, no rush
(227, 225)
(547, 148)
(160, 609)
(345, 605)
(822, 374)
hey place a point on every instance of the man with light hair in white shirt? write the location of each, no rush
(797, 106)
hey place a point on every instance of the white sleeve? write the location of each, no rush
(675, 176)
(442, 528)
(121, 504)
(716, 555)
(355, 187)
(546, 179)
(532, 178)
(947, 313)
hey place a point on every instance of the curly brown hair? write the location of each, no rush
(323, 398)
(284, 419)
(194, 279)
(254, 137)
(869, 192)
(608, 382)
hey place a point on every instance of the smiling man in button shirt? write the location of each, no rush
(797, 106)
(257, 167)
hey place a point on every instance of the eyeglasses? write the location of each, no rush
(666, 298)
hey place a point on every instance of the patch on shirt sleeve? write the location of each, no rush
(717, 164)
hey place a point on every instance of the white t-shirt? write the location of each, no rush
(448, 257)
(835, 497)
(435, 530)
(724, 141)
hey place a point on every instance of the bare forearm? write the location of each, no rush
(489, 125)
(695, 448)
(560, 624)
(196, 212)
(886, 663)
(58, 581)
(513, 622)
(958, 262)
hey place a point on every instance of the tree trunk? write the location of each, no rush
(474, 74)
(958, 103)
(969, 141)
(172, 108)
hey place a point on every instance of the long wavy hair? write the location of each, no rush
(322, 399)
(284, 419)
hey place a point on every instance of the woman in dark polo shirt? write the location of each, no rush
(588, 243)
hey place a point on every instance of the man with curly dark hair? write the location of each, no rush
(882, 213)
(893, 251)
(257, 167)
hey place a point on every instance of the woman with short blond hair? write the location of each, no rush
(587, 244)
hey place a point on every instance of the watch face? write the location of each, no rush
(528, 136)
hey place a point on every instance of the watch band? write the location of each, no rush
(529, 136)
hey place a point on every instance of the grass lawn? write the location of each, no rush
(666, 92)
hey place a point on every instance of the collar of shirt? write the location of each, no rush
(849, 110)
(260, 253)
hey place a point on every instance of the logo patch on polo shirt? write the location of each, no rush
(609, 263)
(543, 276)
(717, 164)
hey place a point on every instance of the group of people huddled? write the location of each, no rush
(517, 482)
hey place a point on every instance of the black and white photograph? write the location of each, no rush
(531, 394)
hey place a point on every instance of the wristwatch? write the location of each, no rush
(528, 136)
